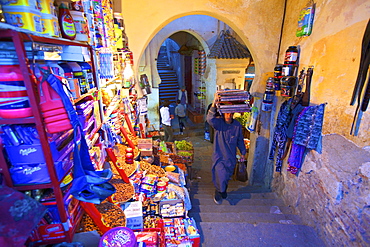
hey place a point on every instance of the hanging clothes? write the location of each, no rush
(306, 135)
(280, 137)
(361, 92)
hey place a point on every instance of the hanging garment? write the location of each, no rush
(280, 137)
(306, 135)
(308, 127)
(360, 83)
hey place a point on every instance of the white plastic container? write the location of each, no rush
(50, 25)
(23, 17)
(81, 26)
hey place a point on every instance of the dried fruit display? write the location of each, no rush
(151, 169)
(124, 191)
(112, 216)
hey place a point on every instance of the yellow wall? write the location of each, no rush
(333, 48)
(256, 22)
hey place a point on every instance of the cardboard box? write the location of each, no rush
(37, 173)
(146, 152)
(149, 238)
(145, 143)
(51, 231)
(134, 214)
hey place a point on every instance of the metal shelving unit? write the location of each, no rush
(18, 37)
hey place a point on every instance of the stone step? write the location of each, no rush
(247, 217)
(170, 87)
(213, 208)
(167, 95)
(232, 188)
(227, 234)
(168, 90)
(166, 77)
(237, 195)
(167, 73)
(230, 201)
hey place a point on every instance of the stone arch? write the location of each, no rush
(198, 36)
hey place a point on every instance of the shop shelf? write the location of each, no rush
(68, 225)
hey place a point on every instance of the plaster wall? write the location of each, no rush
(255, 22)
(334, 49)
(231, 71)
(331, 192)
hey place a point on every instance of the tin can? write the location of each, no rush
(291, 55)
(270, 83)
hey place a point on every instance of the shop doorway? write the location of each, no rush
(188, 77)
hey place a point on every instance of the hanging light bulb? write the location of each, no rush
(127, 74)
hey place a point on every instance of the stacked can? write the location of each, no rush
(289, 71)
(277, 76)
(129, 157)
(268, 97)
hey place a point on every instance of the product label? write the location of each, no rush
(14, 19)
(68, 26)
(268, 97)
(38, 24)
(291, 57)
(81, 27)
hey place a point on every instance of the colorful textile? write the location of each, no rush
(280, 137)
(19, 216)
(306, 135)
(308, 127)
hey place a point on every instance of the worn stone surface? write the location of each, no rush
(332, 192)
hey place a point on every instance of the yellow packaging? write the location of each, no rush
(47, 7)
(50, 25)
(33, 4)
(23, 17)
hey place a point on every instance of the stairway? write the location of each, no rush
(250, 216)
(168, 87)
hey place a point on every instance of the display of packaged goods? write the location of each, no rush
(134, 214)
(171, 208)
(231, 101)
(233, 95)
(234, 108)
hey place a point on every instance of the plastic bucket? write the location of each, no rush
(47, 7)
(14, 101)
(118, 236)
(23, 17)
(50, 25)
(53, 111)
(33, 4)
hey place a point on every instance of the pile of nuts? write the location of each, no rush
(152, 169)
(124, 191)
(112, 216)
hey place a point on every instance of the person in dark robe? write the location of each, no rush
(228, 136)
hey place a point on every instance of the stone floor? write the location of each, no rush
(250, 216)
